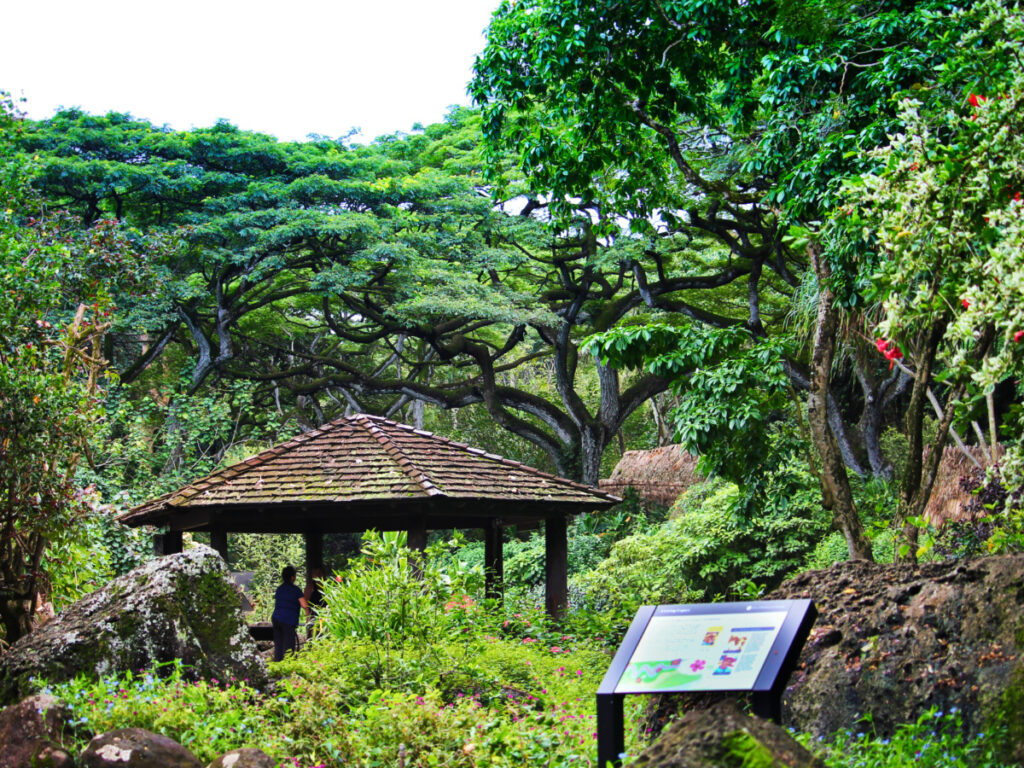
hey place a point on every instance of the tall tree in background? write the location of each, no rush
(324, 275)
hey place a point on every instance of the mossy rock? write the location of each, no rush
(179, 607)
(893, 641)
(724, 737)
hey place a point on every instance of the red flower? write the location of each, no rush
(890, 350)
(975, 100)
(966, 303)
(1018, 337)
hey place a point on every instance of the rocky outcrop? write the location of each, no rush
(31, 734)
(244, 758)
(176, 607)
(892, 641)
(723, 737)
(136, 748)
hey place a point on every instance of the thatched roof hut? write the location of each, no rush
(659, 475)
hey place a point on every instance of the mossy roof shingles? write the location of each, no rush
(363, 459)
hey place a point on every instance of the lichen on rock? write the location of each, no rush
(724, 737)
(892, 641)
(179, 607)
(136, 748)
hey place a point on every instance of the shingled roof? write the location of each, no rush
(371, 465)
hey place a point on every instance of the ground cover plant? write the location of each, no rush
(936, 739)
(443, 679)
(407, 666)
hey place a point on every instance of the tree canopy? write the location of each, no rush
(741, 124)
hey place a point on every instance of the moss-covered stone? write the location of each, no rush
(1010, 714)
(744, 751)
(724, 737)
(177, 607)
(892, 641)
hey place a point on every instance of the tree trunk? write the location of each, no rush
(16, 618)
(911, 480)
(835, 483)
(592, 445)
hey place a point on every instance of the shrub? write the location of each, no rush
(400, 603)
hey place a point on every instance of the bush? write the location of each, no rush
(400, 603)
(713, 548)
(485, 701)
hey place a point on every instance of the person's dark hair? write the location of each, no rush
(287, 574)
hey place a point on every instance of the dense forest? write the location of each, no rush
(786, 235)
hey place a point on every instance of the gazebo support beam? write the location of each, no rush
(494, 560)
(556, 565)
(417, 537)
(314, 552)
(219, 541)
(169, 543)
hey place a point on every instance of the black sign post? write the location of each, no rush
(749, 646)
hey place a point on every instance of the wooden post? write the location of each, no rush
(556, 565)
(219, 541)
(494, 561)
(314, 552)
(417, 538)
(169, 543)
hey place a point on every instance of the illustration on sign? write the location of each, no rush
(710, 652)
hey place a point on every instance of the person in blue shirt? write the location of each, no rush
(288, 602)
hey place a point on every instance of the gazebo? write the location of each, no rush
(361, 472)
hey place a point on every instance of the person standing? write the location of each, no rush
(288, 602)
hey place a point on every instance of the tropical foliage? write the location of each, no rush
(786, 231)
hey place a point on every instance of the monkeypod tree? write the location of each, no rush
(331, 276)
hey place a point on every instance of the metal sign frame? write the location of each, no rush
(767, 688)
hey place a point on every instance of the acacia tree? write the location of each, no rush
(734, 121)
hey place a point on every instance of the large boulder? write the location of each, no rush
(892, 641)
(723, 737)
(31, 734)
(136, 748)
(176, 607)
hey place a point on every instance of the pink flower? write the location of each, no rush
(1018, 337)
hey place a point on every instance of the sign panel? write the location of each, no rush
(681, 650)
(709, 647)
(752, 646)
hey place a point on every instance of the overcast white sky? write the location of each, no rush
(288, 69)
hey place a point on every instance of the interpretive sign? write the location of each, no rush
(749, 646)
